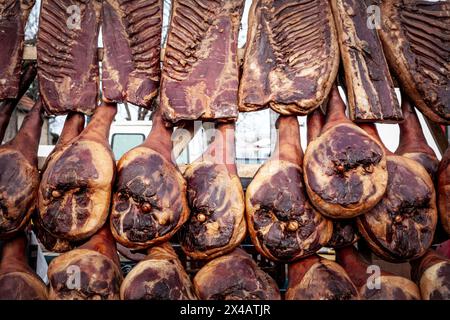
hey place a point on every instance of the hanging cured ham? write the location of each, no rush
(374, 286)
(344, 168)
(17, 280)
(149, 202)
(67, 55)
(217, 222)
(234, 276)
(283, 224)
(76, 186)
(316, 278)
(417, 46)
(132, 48)
(13, 19)
(19, 176)
(371, 94)
(200, 75)
(291, 57)
(402, 225)
(160, 276)
(90, 272)
(444, 191)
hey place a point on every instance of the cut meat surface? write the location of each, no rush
(200, 74)
(132, 48)
(67, 55)
(291, 58)
(370, 88)
(416, 40)
(13, 19)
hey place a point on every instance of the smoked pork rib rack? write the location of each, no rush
(200, 72)
(416, 40)
(13, 19)
(132, 47)
(292, 56)
(369, 84)
(67, 55)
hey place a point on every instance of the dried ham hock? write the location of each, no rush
(132, 48)
(371, 94)
(13, 19)
(76, 186)
(444, 191)
(413, 144)
(416, 41)
(149, 203)
(19, 176)
(17, 280)
(217, 222)
(345, 231)
(90, 272)
(160, 276)
(402, 225)
(67, 55)
(344, 168)
(234, 276)
(73, 126)
(282, 223)
(291, 57)
(432, 274)
(200, 75)
(316, 278)
(7, 107)
(385, 286)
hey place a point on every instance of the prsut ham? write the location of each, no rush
(344, 168)
(149, 203)
(291, 57)
(417, 46)
(402, 225)
(73, 126)
(132, 46)
(7, 107)
(316, 278)
(373, 286)
(200, 75)
(413, 144)
(17, 280)
(76, 186)
(283, 224)
(160, 276)
(444, 191)
(67, 55)
(432, 274)
(234, 276)
(13, 19)
(90, 272)
(371, 95)
(19, 176)
(217, 222)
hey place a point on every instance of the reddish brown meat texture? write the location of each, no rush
(416, 42)
(13, 19)
(132, 47)
(235, 276)
(67, 55)
(345, 233)
(200, 72)
(443, 190)
(369, 84)
(291, 57)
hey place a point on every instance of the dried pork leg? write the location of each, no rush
(370, 88)
(67, 55)
(416, 40)
(132, 47)
(13, 19)
(292, 56)
(443, 188)
(200, 73)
